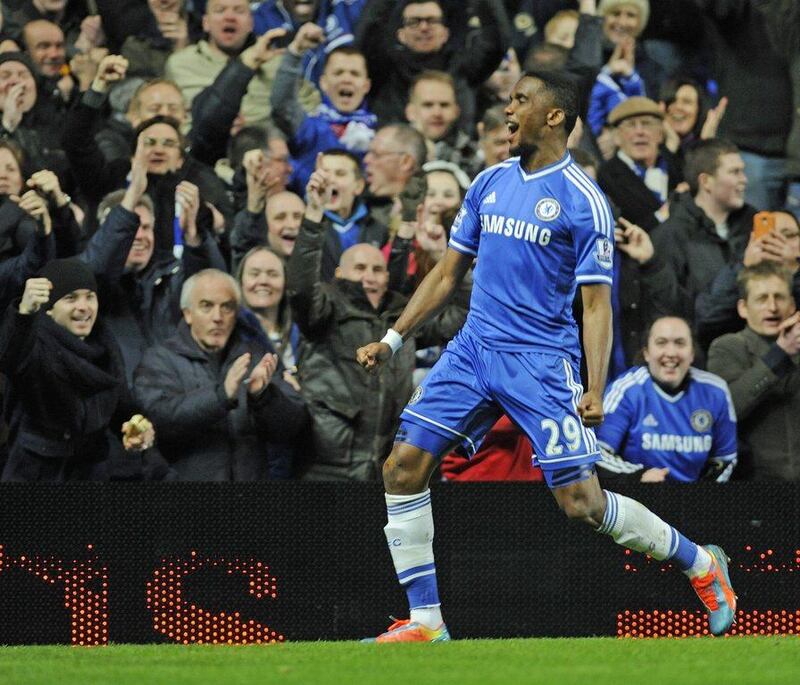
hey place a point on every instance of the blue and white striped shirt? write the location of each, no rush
(537, 237)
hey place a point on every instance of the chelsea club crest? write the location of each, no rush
(547, 209)
(701, 420)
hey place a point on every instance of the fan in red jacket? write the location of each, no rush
(504, 454)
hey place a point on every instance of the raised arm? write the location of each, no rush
(215, 107)
(95, 175)
(287, 113)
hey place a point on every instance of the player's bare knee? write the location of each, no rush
(406, 471)
(583, 507)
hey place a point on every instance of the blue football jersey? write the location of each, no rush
(647, 426)
(536, 236)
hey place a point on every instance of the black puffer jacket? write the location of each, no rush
(202, 433)
(354, 414)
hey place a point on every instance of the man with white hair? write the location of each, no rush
(221, 411)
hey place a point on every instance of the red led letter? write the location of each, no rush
(88, 608)
(187, 623)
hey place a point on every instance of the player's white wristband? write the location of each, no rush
(393, 339)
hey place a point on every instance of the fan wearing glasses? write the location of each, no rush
(401, 40)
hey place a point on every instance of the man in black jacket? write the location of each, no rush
(141, 297)
(708, 228)
(169, 160)
(220, 410)
(354, 415)
(68, 400)
(396, 55)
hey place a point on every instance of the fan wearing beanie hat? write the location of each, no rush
(67, 377)
(67, 290)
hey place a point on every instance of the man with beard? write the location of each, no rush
(539, 228)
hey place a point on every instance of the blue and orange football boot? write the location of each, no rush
(408, 631)
(715, 591)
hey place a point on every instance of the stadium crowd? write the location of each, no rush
(179, 305)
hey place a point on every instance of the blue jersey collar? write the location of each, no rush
(546, 170)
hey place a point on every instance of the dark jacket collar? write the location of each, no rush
(685, 209)
(355, 294)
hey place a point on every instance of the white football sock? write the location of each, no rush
(409, 533)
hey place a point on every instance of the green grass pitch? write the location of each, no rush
(591, 661)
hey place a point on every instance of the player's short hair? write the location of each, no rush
(759, 272)
(410, 141)
(339, 152)
(703, 158)
(114, 198)
(561, 88)
(432, 75)
(191, 282)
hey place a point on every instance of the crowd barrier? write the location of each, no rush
(89, 563)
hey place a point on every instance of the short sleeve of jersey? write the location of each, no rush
(618, 417)
(724, 445)
(593, 232)
(465, 233)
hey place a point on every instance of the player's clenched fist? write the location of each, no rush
(373, 355)
(590, 409)
(37, 293)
